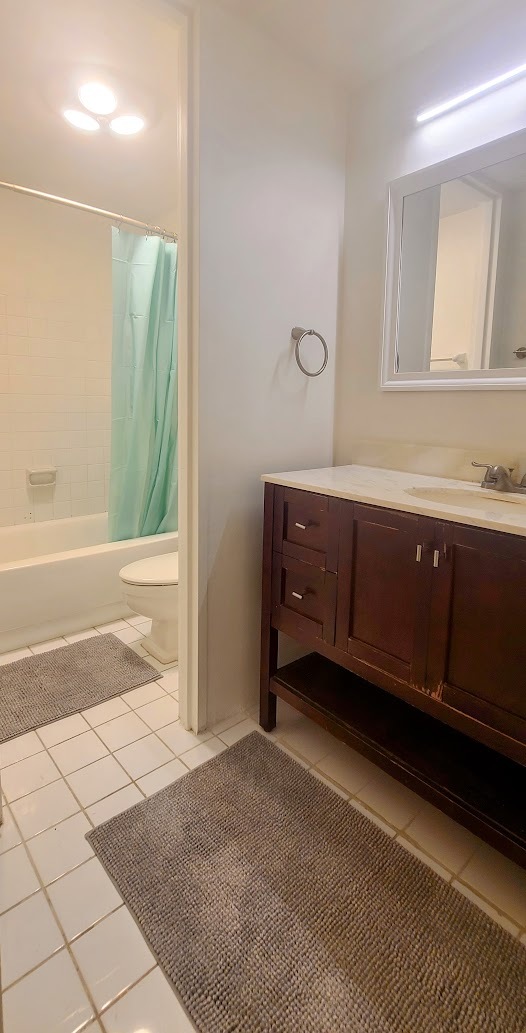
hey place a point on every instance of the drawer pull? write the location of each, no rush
(436, 558)
(297, 595)
(419, 554)
(302, 527)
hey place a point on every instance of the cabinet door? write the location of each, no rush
(385, 565)
(477, 649)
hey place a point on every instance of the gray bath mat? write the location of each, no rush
(46, 687)
(273, 905)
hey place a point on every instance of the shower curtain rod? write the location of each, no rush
(120, 220)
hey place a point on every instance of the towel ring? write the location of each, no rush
(297, 335)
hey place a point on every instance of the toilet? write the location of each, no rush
(151, 588)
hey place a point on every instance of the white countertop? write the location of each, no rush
(389, 488)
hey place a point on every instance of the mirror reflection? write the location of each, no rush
(462, 302)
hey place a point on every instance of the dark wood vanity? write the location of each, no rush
(417, 628)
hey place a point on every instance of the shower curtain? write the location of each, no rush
(143, 474)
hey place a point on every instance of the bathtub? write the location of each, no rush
(60, 576)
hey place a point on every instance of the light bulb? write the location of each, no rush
(97, 98)
(127, 125)
(81, 120)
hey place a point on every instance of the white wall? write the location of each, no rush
(385, 143)
(272, 153)
(55, 354)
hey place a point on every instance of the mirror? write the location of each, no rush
(456, 289)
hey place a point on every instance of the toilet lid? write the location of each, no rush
(154, 570)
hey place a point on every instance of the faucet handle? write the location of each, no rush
(483, 466)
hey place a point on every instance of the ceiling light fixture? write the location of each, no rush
(97, 98)
(81, 120)
(463, 98)
(127, 125)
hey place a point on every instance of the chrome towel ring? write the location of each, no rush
(298, 333)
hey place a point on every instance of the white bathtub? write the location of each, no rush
(60, 576)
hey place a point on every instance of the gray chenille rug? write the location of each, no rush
(46, 687)
(273, 906)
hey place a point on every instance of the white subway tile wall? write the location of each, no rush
(55, 359)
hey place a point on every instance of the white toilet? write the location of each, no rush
(151, 587)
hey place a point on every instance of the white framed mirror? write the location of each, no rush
(455, 296)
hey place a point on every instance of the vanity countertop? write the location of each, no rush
(392, 489)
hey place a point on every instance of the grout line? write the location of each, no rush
(62, 932)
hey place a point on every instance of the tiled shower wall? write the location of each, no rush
(55, 355)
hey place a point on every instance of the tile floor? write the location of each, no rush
(72, 957)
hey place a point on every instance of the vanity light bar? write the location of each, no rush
(463, 98)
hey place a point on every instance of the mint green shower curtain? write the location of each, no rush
(143, 475)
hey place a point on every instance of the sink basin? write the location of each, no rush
(481, 499)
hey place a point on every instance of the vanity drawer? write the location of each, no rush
(303, 599)
(305, 527)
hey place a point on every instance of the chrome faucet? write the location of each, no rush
(498, 478)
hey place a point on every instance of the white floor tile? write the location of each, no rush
(136, 619)
(136, 698)
(138, 648)
(371, 816)
(227, 722)
(20, 748)
(59, 731)
(310, 741)
(331, 785)
(61, 848)
(29, 934)
(143, 756)
(106, 629)
(46, 647)
(78, 752)
(106, 711)
(27, 775)
(9, 835)
(17, 878)
(114, 804)
(442, 837)
(162, 668)
(391, 800)
(162, 777)
(232, 735)
(97, 780)
(488, 910)
(179, 740)
(49, 1000)
(205, 751)
(112, 957)
(170, 680)
(160, 713)
(144, 627)
(14, 655)
(79, 636)
(82, 897)
(499, 880)
(422, 856)
(46, 807)
(128, 635)
(150, 1006)
(122, 730)
(348, 768)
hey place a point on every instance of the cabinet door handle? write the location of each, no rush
(297, 595)
(302, 527)
(436, 557)
(419, 554)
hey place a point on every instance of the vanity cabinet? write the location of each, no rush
(417, 628)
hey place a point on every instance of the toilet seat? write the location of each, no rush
(156, 571)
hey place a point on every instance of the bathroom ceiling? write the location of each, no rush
(47, 50)
(358, 41)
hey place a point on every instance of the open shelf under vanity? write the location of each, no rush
(472, 783)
